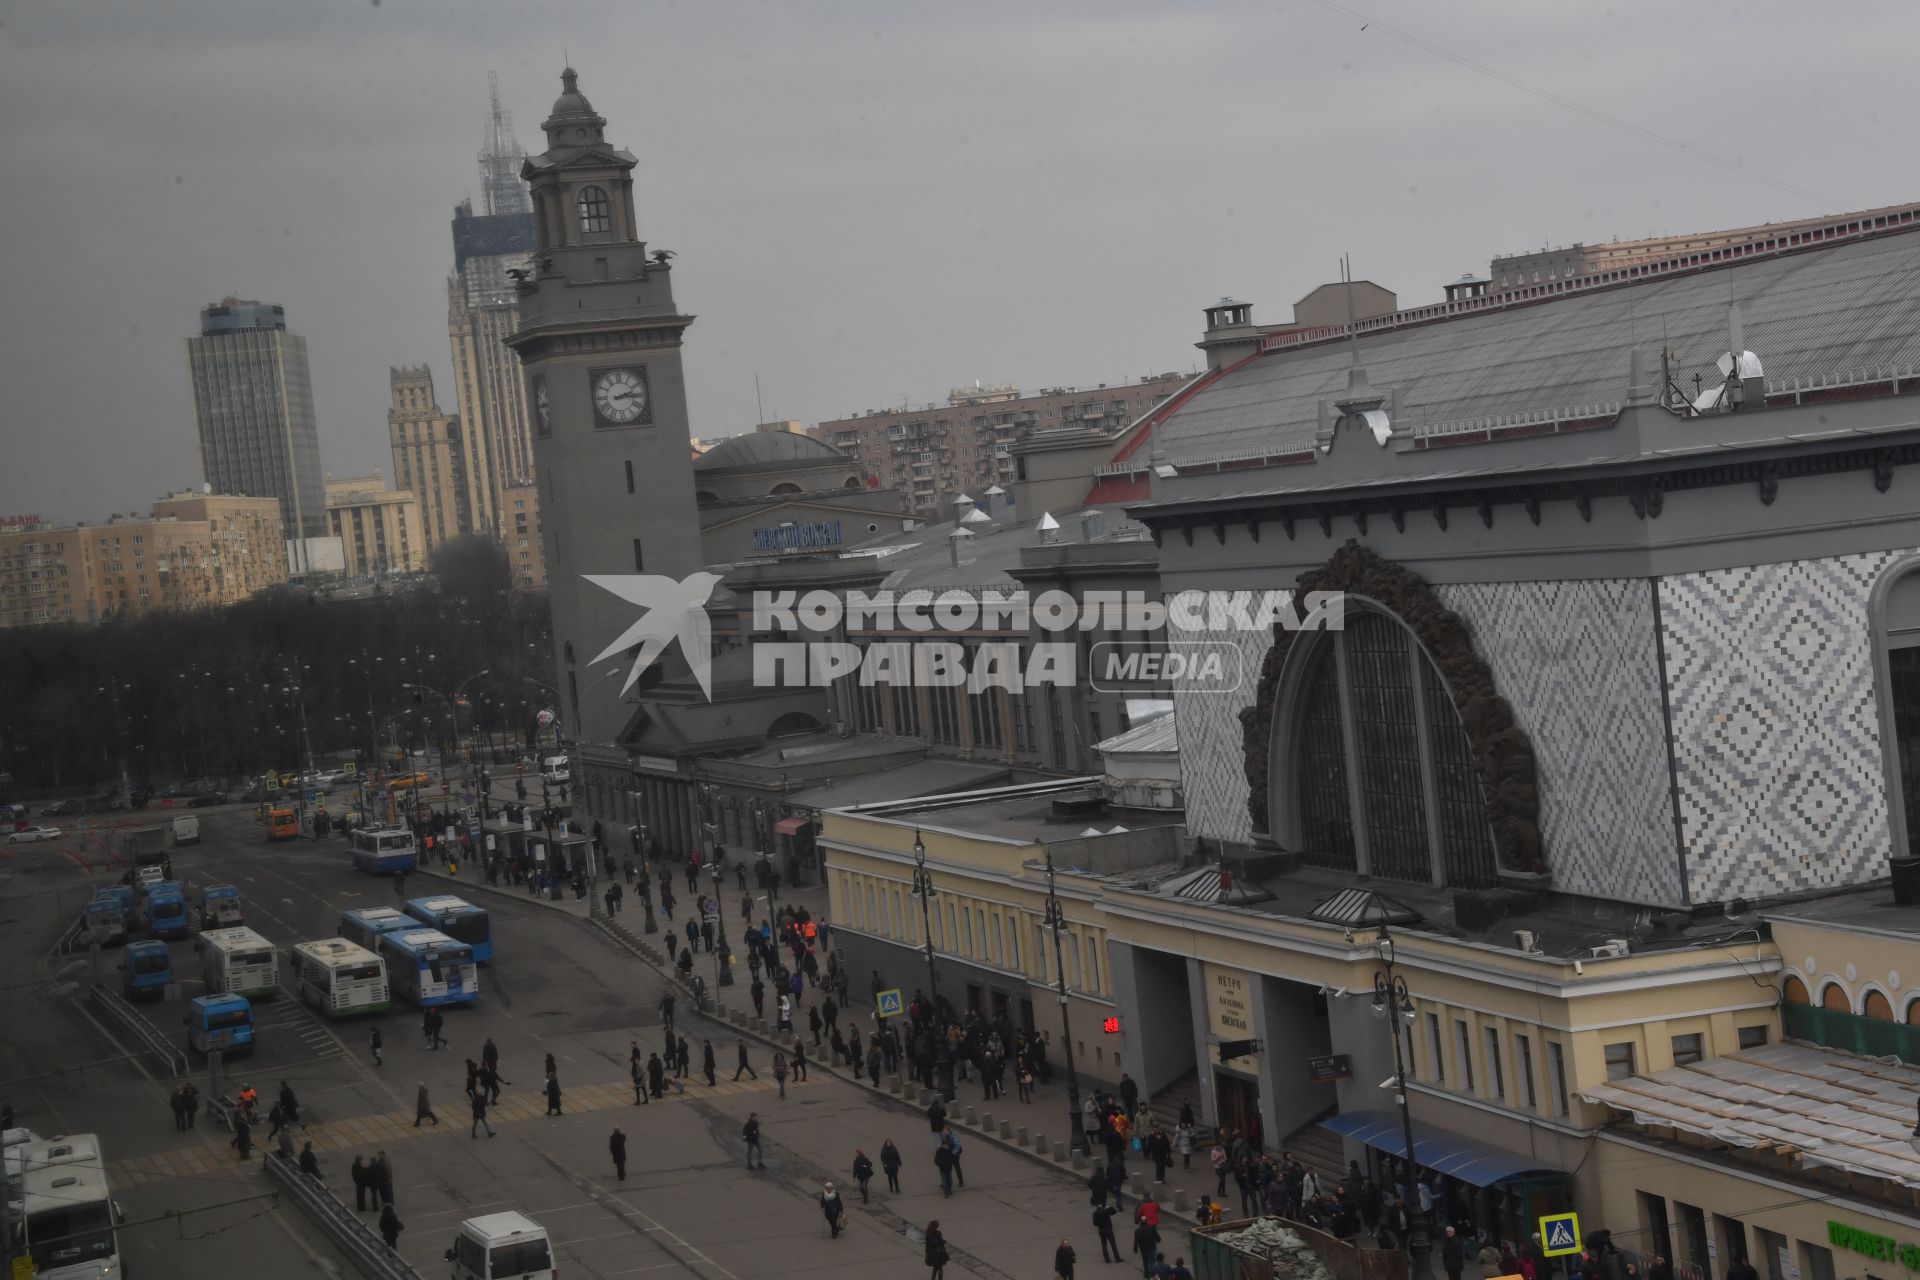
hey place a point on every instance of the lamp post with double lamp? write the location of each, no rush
(1393, 1004)
(1055, 919)
(924, 890)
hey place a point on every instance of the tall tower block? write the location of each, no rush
(600, 340)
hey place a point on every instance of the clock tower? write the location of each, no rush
(599, 341)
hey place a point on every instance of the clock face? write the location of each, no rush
(620, 395)
(542, 407)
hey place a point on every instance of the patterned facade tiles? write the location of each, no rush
(1775, 725)
(1577, 663)
(1212, 760)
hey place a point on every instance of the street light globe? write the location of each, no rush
(1379, 1008)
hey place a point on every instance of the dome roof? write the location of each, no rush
(571, 101)
(769, 450)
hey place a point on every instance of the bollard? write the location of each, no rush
(1060, 1152)
(893, 1084)
(1040, 1143)
(1079, 1159)
(1020, 1135)
(1180, 1199)
(986, 1121)
(972, 1116)
(1006, 1130)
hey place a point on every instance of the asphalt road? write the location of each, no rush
(688, 1205)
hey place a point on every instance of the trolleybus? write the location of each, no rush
(428, 969)
(340, 978)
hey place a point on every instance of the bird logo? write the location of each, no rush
(674, 608)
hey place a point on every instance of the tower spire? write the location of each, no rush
(501, 190)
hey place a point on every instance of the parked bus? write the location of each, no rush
(382, 851)
(459, 920)
(363, 926)
(340, 978)
(165, 910)
(82, 1149)
(220, 906)
(146, 967)
(429, 969)
(223, 1022)
(239, 961)
(66, 1223)
(283, 824)
(107, 916)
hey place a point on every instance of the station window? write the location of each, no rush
(1753, 1037)
(1438, 1047)
(1620, 1060)
(1466, 1053)
(1688, 1049)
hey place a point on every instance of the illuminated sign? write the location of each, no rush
(798, 537)
(1111, 1026)
(1872, 1244)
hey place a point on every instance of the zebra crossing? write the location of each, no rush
(284, 1019)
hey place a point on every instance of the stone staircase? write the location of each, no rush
(1319, 1149)
(1165, 1109)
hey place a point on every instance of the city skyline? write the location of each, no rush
(844, 143)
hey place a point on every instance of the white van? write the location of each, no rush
(501, 1246)
(186, 829)
(554, 769)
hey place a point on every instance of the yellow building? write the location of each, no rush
(520, 535)
(379, 528)
(195, 551)
(435, 459)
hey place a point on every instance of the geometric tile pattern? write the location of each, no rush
(1776, 730)
(1213, 765)
(1576, 661)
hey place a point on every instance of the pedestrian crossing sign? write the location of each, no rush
(1560, 1234)
(888, 1004)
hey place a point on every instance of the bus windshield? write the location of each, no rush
(76, 1233)
(465, 928)
(152, 964)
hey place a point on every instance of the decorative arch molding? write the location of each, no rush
(1794, 991)
(1830, 984)
(1503, 754)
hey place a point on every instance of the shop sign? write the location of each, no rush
(1332, 1067)
(798, 537)
(1871, 1244)
(1230, 1002)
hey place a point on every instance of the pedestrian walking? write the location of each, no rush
(361, 1183)
(656, 1076)
(936, 1254)
(1063, 1259)
(617, 1148)
(373, 1043)
(490, 1055)
(943, 1161)
(423, 1108)
(751, 1132)
(553, 1095)
(192, 1099)
(951, 1141)
(834, 1210)
(814, 1024)
(706, 1061)
(1103, 1224)
(890, 1164)
(680, 1052)
(744, 1064)
(391, 1227)
(490, 1083)
(862, 1173)
(242, 1137)
(383, 1177)
(473, 1077)
(780, 1072)
(178, 1101)
(666, 1013)
(1146, 1243)
(309, 1162)
(479, 1117)
(799, 1061)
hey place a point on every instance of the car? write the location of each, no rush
(28, 835)
(207, 799)
(59, 807)
(402, 781)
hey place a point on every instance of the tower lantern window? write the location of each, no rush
(596, 211)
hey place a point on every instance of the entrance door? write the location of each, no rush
(1238, 1101)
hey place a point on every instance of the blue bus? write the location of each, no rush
(428, 969)
(364, 926)
(223, 1022)
(109, 915)
(459, 920)
(146, 967)
(382, 851)
(166, 910)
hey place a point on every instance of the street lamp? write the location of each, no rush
(1055, 918)
(924, 890)
(723, 971)
(1393, 1004)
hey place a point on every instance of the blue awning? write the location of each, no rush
(1435, 1149)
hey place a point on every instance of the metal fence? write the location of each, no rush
(344, 1227)
(136, 1024)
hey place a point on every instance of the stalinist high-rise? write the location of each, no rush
(481, 314)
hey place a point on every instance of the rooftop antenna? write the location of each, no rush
(758, 402)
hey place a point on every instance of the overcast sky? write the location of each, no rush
(870, 202)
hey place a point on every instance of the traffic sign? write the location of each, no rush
(888, 1004)
(1560, 1234)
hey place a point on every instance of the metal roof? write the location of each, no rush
(1156, 735)
(1845, 306)
(1822, 1107)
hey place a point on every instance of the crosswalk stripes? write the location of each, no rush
(353, 1133)
(285, 1017)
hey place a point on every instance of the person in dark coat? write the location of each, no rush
(1103, 1223)
(383, 1178)
(706, 1062)
(309, 1162)
(391, 1227)
(617, 1148)
(936, 1254)
(479, 1117)
(744, 1065)
(1453, 1255)
(751, 1133)
(553, 1095)
(834, 1210)
(1063, 1260)
(1097, 1186)
(862, 1173)
(361, 1183)
(936, 1115)
(943, 1161)
(890, 1164)
(656, 1076)
(1146, 1243)
(242, 1137)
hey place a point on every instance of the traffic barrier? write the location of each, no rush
(358, 1241)
(136, 1024)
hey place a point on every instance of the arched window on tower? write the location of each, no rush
(596, 211)
(1373, 770)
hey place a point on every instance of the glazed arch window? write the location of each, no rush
(1794, 991)
(1876, 1005)
(596, 211)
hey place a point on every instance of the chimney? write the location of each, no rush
(1049, 529)
(961, 506)
(998, 503)
(1230, 332)
(960, 543)
(1092, 525)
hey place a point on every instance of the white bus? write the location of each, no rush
(66, 1223)
(239, 961)
(339, 978)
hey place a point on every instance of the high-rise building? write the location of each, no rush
(431, 458)
(379, 528)
(600, 338)
(482, 314)
(253, 400)
(520, 532)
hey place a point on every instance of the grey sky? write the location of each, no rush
(869, 201)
